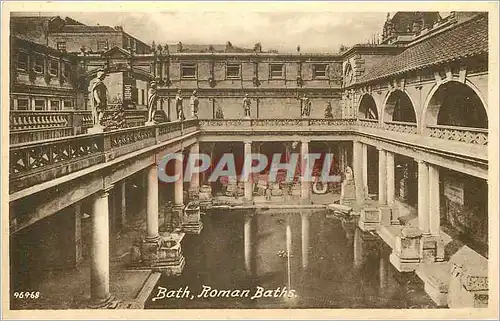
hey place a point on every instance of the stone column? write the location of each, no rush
(179, 185)
(357, 155)
(152, 203)
(305, 239)
(78, 233)
(423, 197)
(248, 190)
(194, 185)
(390, 178)
(434, 200)
(305, 182)
(99, 264)
(382, 177)
(123, 202)
(247, 235)
(364, 149)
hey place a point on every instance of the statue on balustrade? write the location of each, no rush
(219, 114)
(194, 102)
(328, 110)
(247, 105)
(152, 102)
(305, 106)
(178, 105)
(99, 98)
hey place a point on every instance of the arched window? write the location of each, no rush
(456, 104)
(399, 108)
(367, 108)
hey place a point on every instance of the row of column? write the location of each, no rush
(428, 185)
(99, 269)
(305, 184)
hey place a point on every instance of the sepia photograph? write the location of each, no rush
(213, 159)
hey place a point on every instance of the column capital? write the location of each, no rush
(305, 141)
(105, 191)
(420, 161)
(380, 148)
(247, 141)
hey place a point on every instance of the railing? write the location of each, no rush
(477, 136)
(275, 122)
(400, 127)
(26, 126)
(365, 122)
(37, 162)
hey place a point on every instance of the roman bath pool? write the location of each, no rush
(277, 259)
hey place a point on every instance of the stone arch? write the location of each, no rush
(453, 103)
(399, 106)
(367, 108)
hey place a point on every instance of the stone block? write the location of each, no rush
(406, 253)
(469, 280)
(385, 215)
(369, 219)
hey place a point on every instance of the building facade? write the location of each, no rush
(409, 116)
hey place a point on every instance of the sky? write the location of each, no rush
(283, 31)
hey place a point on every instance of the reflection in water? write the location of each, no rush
(285, 260)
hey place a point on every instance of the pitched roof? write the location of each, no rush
(464, 40)
(86, 29)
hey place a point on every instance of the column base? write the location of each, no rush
(108, 303)
(369, 219)
(164, 254)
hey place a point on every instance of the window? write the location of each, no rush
(22, 104)
(67, 70)
(101, 45)
(233, 71)
(320, 70)
(61, 45)
(55, 105)
(22, 61)
(142, 95)
(277, 71)
(68, 104)
(188, 71)
(54, 68)
(39, 104)
(39, 64)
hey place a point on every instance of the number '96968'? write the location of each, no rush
(27, 295)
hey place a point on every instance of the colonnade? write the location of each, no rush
(99, 269)
(428, 186)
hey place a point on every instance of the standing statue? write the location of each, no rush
(328, 110)
(194, 103)
(348, 174)
(99, 98)
(152, 102)
(178, 105)
(219, 114)
(305, 106)
(247, 104)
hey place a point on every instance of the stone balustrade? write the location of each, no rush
(477, 136)
(33, 158)
(37, 162)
